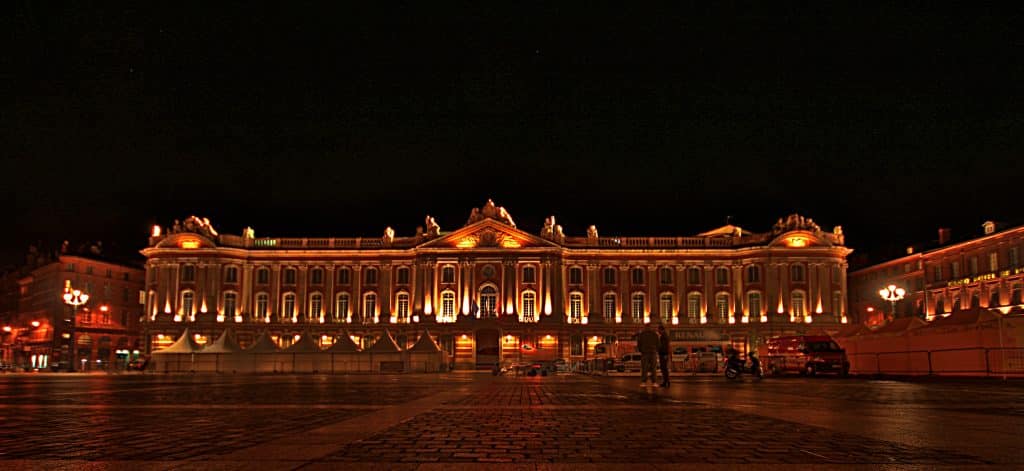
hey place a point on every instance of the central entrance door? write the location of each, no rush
(488, 349)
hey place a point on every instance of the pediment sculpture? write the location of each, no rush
(490, 211)
(795, 222)
(194, 225)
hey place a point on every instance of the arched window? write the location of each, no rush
(262, 299)
(609, 276)
(370, 307)
(529, 310)
(693, 304)
(188, 303)
(797, 304)
(665, 307)
(448, 274)
(230, 304)
(753, 274)
(722, 307)
(693, 276)
(447, 313)
(529, 274)
(370, 277)
(402, 307)
(262, 276)
(488, 301)
(608, 307)
(341, 308)
(288, 306)
(575, 308)
(637, 307)
(754, 304)
(316, 306)
(316, 276)
(796, 273)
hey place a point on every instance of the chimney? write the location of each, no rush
(944, 235)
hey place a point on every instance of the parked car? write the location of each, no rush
(629, 362)
(804, 354)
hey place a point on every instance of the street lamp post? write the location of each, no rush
(892, 294)
(73, 298)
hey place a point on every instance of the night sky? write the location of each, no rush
(301, 121)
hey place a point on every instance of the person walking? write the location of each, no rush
(647, 343)
(663, 349)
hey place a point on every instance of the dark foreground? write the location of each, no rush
(561, 422)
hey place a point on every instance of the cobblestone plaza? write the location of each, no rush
(564, 421)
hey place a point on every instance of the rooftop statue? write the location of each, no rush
(795, 222)
(433, 229)
(490, 211)
(196, 226)
(548, 231)
(389, 235)
(592, 232)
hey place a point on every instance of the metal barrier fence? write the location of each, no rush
(967, 361)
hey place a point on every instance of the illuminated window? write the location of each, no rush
(262, 276)
(344, 276)
(447, 307)
(288, 306)
(637, 275)
(637, 308)
(722, 276)
(316, 305)
(665, 275)
(609, 276)
(230, 303)
(529, 313)
(369, 305)
(753, 274)
(693, 276)
(575, 275)
(231, 275)
(575, 308)
(754, 304)
(797, 306)
(341, 307)
(289, 276)
(488, 301)
(993, 261)
(402, 275)
(693, 303)
(316, 276)
(609, 307)
(796, 273)
(188, 303)
(722, 306)
(665, 306)
(188, 273)
(403, 307)
(370, 277)
(262, 300)
(529, 275)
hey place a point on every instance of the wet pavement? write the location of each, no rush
(555, 422)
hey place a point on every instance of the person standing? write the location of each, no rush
(647, 343)
(663, 348)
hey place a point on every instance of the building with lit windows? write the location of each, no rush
(43, 332)
(981, 273)
(490, 291)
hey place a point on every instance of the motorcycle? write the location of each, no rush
(735, 367)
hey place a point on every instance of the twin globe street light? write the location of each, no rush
(892, 294)
(73, 298)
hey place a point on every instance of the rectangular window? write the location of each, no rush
(343, 276)
(666, 307)
(754, 304)
(722, 303)
(972, 264)
(638, 308)
(231, 275)
(448, 274)
(753, 274)
(722, 276)
(125, 276)
(609, 276)
(693, 276)
(529, 275)
(576, 345)
(316, 276)
(954, 270)
(937, 273)
(403, 307)
(1012, 255)
(403, 275)
(289, 276)
(906, 268)
(609, 307)
(188, 273)
(262, 276)
(693, 307)
(638, 276)
(993, 261)
(575, 275)
(370, 277)
(666, 276)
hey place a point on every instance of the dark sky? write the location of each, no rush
(304, 121)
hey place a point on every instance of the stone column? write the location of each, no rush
(625, 296)
(710, 303)
(653, 306)
(356, 300)
(740, 302)
(384, 292)
(330, 303)
(246, 294)
(274, 308)
(302, 296)
(593, 297)
(842, 288)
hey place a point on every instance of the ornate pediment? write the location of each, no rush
(488, 233)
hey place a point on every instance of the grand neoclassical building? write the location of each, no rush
(490, 290)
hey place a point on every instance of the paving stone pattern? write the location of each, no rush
(642, 435)
(99, 433)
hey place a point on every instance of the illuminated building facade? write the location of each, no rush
(39, 333)
(981, 273)
(490, 291)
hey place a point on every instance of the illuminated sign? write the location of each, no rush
(985, 277)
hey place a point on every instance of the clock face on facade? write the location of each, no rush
(488, 271)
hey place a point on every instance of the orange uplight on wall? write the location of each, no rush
(466, 243)
(510, 243)
(189, 243)
(796, 242)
